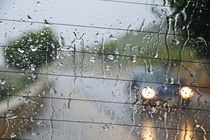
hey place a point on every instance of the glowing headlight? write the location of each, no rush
(186, 92)
(148, 93)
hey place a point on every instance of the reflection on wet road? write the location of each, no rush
(89, 90)
(92, 109)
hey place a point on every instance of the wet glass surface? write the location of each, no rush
(118, 70)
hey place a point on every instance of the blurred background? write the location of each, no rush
(76, 69)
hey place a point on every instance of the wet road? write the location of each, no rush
(92, 109)
(97, 108)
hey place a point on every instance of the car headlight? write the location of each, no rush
(186, 92)
(148, 93)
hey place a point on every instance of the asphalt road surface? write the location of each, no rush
(100, 109)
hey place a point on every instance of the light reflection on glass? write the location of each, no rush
(186, 132)
(148, 133)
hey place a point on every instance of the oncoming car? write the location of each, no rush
(160, 87)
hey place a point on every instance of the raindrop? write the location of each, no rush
(20, 50)
(154, 110)
(33, 76)
(68, 48)
(92, 59)
(2, 81)
(112, 38)
(11, 115)
(46, 22)
(107, 68)
(198, 125)
(200, 38)
(106, 127)
(33, 48)
(133, 58)
(31, 119)
(35, 133)
(171, 80)
(30, 39)
(149, 69)
(97, 34)
(61, 41)
(60, 63)
(176, 42)
(192, 74)
(42, 105)
(29, 17)
(155, 55)
(96, 42)
(110, 57)
(28, 99)
(117, 52)
(191, 54)
(40, 123)
(13, 135)
(33, 67)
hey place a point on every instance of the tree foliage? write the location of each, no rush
(193, 17)
(32, 50)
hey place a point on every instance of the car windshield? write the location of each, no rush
(105, 69)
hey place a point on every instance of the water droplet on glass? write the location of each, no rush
(33, 48)
(40, 123)
(33, 76)
(106, 127)
(155, 55)
(11, 115)
(2, 81)
(154, 110)
(191, 54)
(197, 125)
(29, 17)
(92, 59)
(110, 57)
(107, 68)
(13, 135)
(96, 42)
(31, 119)
(112, 38)
(149, 69)
(33, 67)
(200, 38)
(176, 42)
(35, 133)
(28, 99)
(20, 50)
(46, 22)
(133, 58)
(171, 80)
(117, 52)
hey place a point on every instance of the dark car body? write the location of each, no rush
(165, 84)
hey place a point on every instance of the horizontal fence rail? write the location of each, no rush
(97, 77)
(104, 123)
(123, 55)
(94, 27)
(107, 102)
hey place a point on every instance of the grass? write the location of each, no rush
(13, 83)
(130, 45)
(28, 52)
(144, 45)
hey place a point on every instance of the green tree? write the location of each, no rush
(32, 50)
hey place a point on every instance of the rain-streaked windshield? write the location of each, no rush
(105, 69)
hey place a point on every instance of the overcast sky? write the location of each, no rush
(83, 12)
